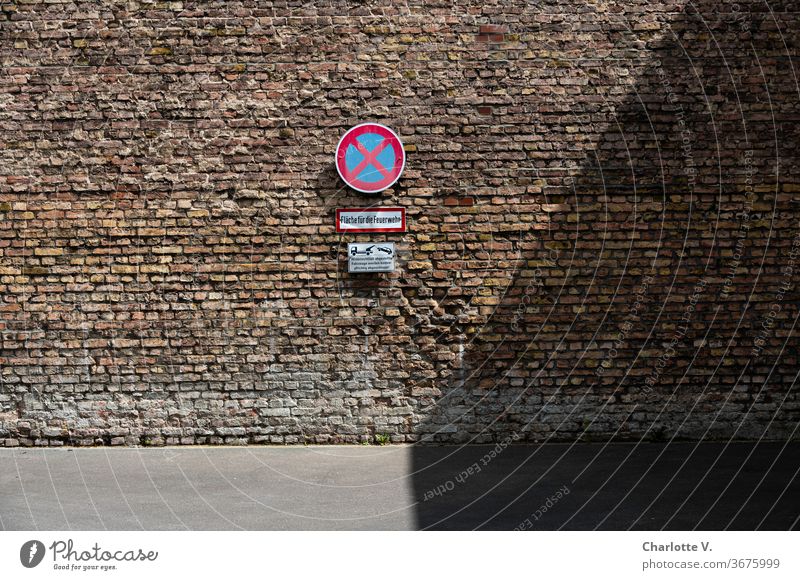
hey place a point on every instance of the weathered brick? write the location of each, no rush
(171, 273)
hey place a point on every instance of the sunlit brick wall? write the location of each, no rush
(602, 204)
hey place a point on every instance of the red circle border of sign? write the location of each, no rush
(349, 137)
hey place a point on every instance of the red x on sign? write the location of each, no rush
(370, 157)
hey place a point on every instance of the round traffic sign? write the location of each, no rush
(370, 157)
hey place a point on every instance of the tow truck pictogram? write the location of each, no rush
(354, 251)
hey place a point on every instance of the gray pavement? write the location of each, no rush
(618, 486)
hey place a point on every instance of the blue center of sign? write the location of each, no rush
(370, 173)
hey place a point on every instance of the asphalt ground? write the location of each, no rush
(678, 486)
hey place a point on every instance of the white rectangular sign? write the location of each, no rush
(370, 257)
(377, 219)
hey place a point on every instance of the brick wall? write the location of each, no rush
(603, 221)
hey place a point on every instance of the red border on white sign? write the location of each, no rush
(401, 228)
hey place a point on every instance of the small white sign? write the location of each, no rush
(372, 257)
(377, 219)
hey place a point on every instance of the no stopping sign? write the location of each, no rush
(370, 157)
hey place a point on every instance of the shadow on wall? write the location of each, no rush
(651, 309)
